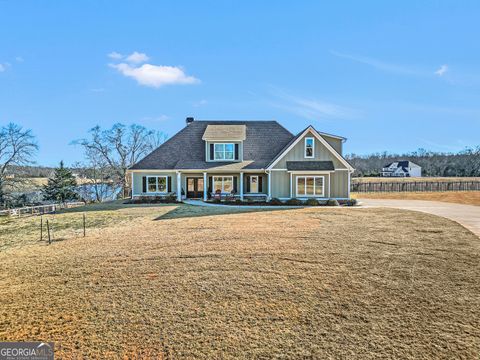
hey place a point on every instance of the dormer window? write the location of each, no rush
(224, 151)
(309, 147)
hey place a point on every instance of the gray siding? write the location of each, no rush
(280, 184)
(339, 184)
(337, 144)
(297, 154)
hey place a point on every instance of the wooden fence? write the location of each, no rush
(39, 210)
(415, 186)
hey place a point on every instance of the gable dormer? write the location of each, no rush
(224, 143)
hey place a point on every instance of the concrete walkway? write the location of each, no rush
(466, 215)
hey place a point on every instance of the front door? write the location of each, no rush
(194, 187)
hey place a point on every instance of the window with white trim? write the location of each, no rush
(309, 147)
(157, 184)
(223, 183)
(224, 151)
(310, 186)
(254, 184)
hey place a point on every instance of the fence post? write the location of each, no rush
(83, 224)
(48, 231)
(41, 228)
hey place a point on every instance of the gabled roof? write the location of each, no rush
(310, 166)
(402, 164)
(186, 149)
(225, 132)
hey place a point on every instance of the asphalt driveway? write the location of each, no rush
(466, 215)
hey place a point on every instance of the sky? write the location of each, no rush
(389, 76)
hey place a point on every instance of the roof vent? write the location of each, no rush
(189, 120)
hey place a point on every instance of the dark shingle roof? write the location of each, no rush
(186, 149)
(310, 165)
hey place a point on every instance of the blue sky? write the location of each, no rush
(388, 76)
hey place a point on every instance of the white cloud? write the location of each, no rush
(2, 68)
(200, 103)
(442, 70)
(155, 75)
(137, 58)
(115, 55)
(378, 64)
(312, 109)
(160, 118)
(19, 59)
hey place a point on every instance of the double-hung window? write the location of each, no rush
(310, 186)
(223, 183)
(157, 184)
(224, 151)
(309, 147)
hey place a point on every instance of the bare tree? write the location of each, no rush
(114, 150)
(17, 147)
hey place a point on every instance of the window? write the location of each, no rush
(223, 183)
(254, 184)
(157, 184)
(224, 151)
(309, 147)
(310, 185)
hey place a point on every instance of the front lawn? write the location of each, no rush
(213, 282)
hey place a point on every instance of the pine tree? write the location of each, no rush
(61, 187)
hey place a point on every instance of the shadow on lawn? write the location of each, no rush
(186, 211)
(109, 206)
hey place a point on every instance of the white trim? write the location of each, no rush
(314, 186)
(269, 185)
(279, 169)
(205, 186)
(329, 185)
(201, 171)
(348, 189)
(321, 139)
(179, 186)
(291, 185)
(132, 184)
(305, 147)
(223, 188)
(241, 186)
(156, 184)
(311, 172)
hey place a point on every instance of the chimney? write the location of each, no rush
(189, 120)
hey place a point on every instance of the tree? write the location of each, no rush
(118, 148)
(17, 148)
(61, 187)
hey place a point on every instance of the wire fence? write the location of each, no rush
(39, 210)
(416, 186)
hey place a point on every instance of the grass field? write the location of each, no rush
(195, 282)
(459, 197)
(411, 179)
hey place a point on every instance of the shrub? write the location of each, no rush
(275, 201)
(312, 202)
(294, 202)
(238, 202)
(216, 201)
(351, 202)
(332, 202)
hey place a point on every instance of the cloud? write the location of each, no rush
(19, 59)
(115, 55)
(442, 70)
(200, 103)
(2, 68)
(97, 90)
(378, 64)
(311, 108)
(155, 75)
(137, 58)
(160, 118)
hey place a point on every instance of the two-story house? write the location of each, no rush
(402, 168)
(245, 158)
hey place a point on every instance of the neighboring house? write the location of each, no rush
(247, 158)
(402, 169)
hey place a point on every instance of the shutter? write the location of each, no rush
(212, 152)
(248, 184)
(210, 184)
(236, 152)
(169, 184)
(144, 184)
(235, 184)
(260, 178)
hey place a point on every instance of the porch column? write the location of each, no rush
(241, 186)
(179, 186)
(205, 186)
(269, 184)
(291, 185)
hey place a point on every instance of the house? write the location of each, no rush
(245, 158)
(402, 169)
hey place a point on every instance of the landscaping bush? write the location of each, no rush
(216, 201)
(332, 202)
(312, 202)
(294, 202)
(275, 201)
(351, 202)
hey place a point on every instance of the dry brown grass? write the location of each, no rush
(186, 282)
(459, 197)
(412, 179)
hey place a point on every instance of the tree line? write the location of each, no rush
(465, 163)
(108, 153)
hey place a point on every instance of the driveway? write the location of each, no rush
(467, 215)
